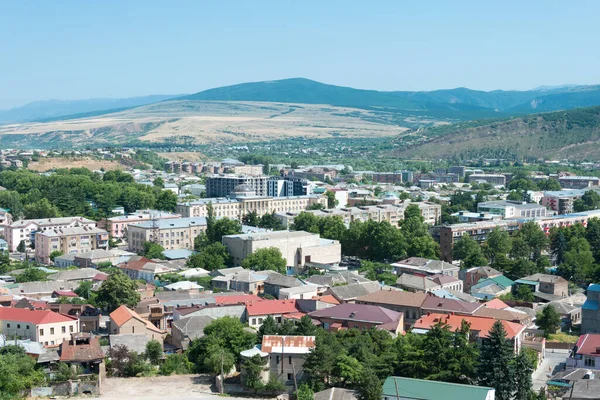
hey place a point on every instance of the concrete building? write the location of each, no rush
(236, 208)
(407, 303)
(286, 186)
(72, 240)
(171, 234)
(117, 226)
(561, 201)
(549, 284)
(297, 247)
(43, 326)
(578, 182)
(224, 185)
(473, 275)
(252, 170)
(512, 209)
(25, 229)
(586, 353)
(493, 179)
(446, 235)
(5, 219)
(124, 321)
(590, 311)
(425, 267)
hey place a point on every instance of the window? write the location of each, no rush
(253, 321)
(277, 360)
(42, 333)
(71, 328)
(290, 377)
(26, 326)
(260, 320)
(589, 361)
(8, 325)
(52, 332)
(64, 329)
(290, 359)
(18, 326)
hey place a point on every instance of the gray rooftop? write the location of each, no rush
(172, 223)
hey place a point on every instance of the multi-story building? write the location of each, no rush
(447, 235)
(586, 353)
(549, 284)
(493, 179)
(512, 209)
(424, 267)
(297, 247)
(236, 208)
(25, 229)
(72, 240)
(178, 233)
(5, 219)
(394, 178)
(561, 201)
(284, 186)
(43, 326)
(458, 170)
(392, 213)
(253, 170)
(117, 226)
(578, 182)
(224, 185)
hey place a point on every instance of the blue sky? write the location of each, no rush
(85, 49)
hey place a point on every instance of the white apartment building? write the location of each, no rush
(171, 234)
(44, 326)
(25, 229)
(512, 209)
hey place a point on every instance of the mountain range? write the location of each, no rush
(448, 104)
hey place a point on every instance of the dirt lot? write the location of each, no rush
(159, 388)
(46, 164)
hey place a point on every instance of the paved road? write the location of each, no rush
(549, 366)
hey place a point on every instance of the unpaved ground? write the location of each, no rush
(46, 164)
(183, 156)
(159, 388)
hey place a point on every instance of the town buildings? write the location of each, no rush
(424, 266)
(397, 388)
(586, 353)
(69, 240)
(178, 233)
(43, 326)
(25, 229)
(287, 186)
(224, 185)
(590, 311)
(493, 179)
(297, 247)
(360, 316)
(117, 226)
(512, 209)
(124, 321)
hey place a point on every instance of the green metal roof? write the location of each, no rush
(525, 281)
(408, 388)
(502, 281)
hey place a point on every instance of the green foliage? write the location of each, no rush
(54, 254)
(254, 366)
(369, 385)
(589, 201)
(251, 218)
(468, 251)
(416, 232)
(117, 290)
(496, 367)
(126, 363)
(211, 257)
(548, 320)
(274, 385)
(21, 247)
(166, 201)
(153, 250)
(270, 221)
(524, 369)
(222, 227)
(328, 227)
(305, 393)
(31, 274)
(177, 364)
(376, 241)
(266, 259)
(154, 352)
(159, 182)
(41, 209)
(65, 372)
(332, 202)
(18, 371)
(84, 290)
(379, 272)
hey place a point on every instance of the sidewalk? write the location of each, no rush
(552, 363)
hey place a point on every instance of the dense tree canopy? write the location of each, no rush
(117, 290)
(266, 259)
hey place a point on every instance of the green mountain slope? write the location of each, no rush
(571, 134)
(457, 104)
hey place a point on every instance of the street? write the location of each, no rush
(553, 360)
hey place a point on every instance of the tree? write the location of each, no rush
(270, 221)
(535, 238)
(524, 293)
(54, 254)
(153, 250)
(592, 234)
(268, 327)
(222, 227)
(499, 243)
(578, 261)
(316, 206)
(212, 257)
(154, 351)
(254, 366)
(118, 289)
(159, 182)
(332, 202)
(496, 369)
(84, 289)
(468, 251)
(548, 320)
(166, 200)
(266, 259)
(559, 247)
(523, 370)
(17, 372)
(251, 219)
(349, 369)
(21, 248)
(589, 201)
(305, 327)
(307, 222)
(41, 209)
(321, 361)
(32, 274)
(305, 393)
(369, 386)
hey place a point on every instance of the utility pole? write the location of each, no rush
(222, 374)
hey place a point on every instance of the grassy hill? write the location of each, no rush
(563, 134)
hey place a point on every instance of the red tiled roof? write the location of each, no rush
(496, 303)
(236, 299)
(124, 314)
(271, 307)
(589, 344)
(65, 293)
(478, 324)
(100, 277)
(36, 317)
(135, 263)
(328, 298)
